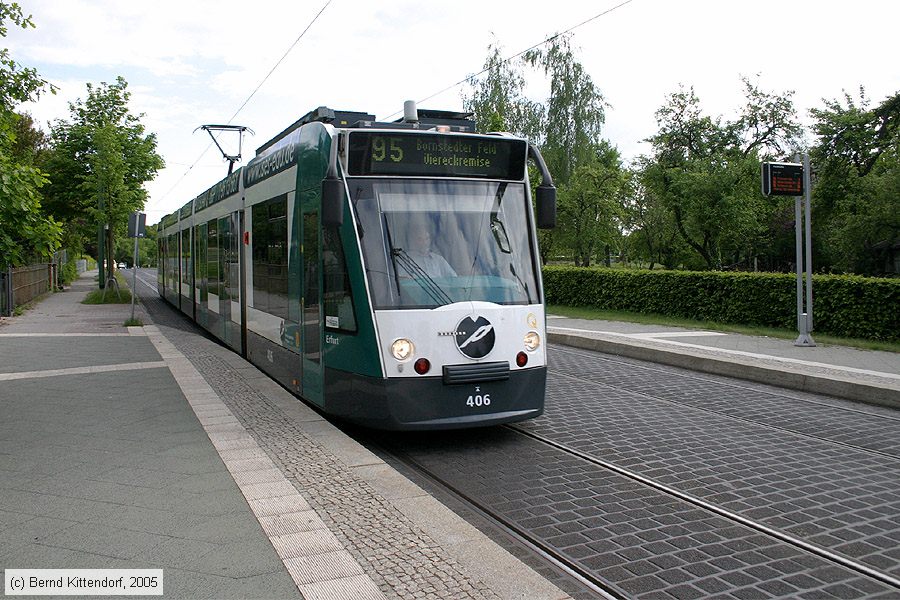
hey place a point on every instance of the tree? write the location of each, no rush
(768, 124)
(652, 236)
(109, 198)
(591, 205)
(498, 99)
(857, 192)
(17, 83)
(569, 137)
(147, 248)
(704, 171)
(24, 230)
(29, 144)
(573, 115)
(101, 159)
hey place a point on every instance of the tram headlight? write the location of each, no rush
(532, 341)
(402, 349)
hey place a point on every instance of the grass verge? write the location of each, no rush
(123, 297)
(97, 297)
(582, 312)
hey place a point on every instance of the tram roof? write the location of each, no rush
(428, 118)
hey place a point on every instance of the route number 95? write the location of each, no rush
(381, 150)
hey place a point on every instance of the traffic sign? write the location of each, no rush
(137, 225)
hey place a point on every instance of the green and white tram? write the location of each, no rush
(387, 273)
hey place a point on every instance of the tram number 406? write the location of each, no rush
(479, 400)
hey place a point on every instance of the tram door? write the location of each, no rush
(310, 302)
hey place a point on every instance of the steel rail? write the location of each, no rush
(598, 587)
(787, 538)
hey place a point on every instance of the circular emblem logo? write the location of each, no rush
(475, 338)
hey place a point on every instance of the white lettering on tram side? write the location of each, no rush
(224, 188)
(271, 164)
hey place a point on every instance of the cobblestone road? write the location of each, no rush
(799, 465)
(816, 468)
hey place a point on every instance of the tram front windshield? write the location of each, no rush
(428, 243)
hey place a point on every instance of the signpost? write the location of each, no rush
(136, 229)
(792, 179)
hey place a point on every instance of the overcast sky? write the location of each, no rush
(194, 62)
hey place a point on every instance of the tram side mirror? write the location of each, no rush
(332, 202)
(546, 207)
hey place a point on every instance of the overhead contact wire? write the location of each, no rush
(518, 54)
(253, 93)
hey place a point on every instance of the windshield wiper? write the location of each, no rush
(420, 276)
(524, 285)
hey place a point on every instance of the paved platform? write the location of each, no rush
(117, 451)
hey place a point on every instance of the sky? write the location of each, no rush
(196, 62)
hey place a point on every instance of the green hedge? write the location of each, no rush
(847, 306)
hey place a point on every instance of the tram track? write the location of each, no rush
(722, 512)
(795, 540)
(671, 372)
(594, 585)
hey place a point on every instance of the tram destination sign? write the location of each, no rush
(435, 155)
(782, 179)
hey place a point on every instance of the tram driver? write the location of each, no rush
(420, 251)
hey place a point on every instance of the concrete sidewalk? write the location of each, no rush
(862, 375)
(116, 452)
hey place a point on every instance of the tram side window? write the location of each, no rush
(212, 257)
(172, 257)
(200, 258)
(186, 260)
(337, 296)
(270, 257)
(161, 260)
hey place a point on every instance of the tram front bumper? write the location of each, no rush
(429, 403)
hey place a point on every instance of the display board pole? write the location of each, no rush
(804, 317)
(134, 277)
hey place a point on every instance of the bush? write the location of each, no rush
(846, 306)
(68, 272)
